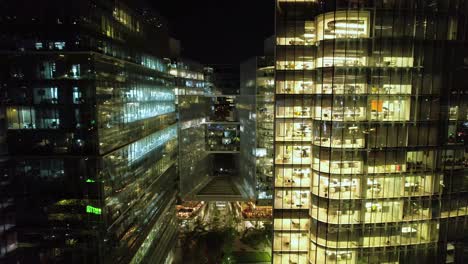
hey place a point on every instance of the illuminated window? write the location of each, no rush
(47, 95)
(343, 24)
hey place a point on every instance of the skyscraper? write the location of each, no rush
(257, 84)
(90, 116)
(370, 131)
(193, 108)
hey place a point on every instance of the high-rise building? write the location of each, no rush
(210, 129)
(91, 132)
(192, 90)
(370, 131)
(257, 85)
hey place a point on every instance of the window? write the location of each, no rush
(47, 70)
(343, 24)
(77, 96)
(47, 95)
(21, 118)
(75, 71)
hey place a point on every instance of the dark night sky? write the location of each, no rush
(219, 32)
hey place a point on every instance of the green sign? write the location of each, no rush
(93, 210)
(90, 180)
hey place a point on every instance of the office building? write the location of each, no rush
(210, 146)
(223, 145)
(257, 82)
(370, 131)
(90, 116)
(193, 107)
(256, 118)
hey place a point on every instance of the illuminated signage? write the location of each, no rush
(93, 210)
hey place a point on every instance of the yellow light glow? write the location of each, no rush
(350, 25)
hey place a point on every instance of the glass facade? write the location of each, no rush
(265, 80)
(257, 85)
(193, 91)
(190, 78)
(91, 135)
(370, 128)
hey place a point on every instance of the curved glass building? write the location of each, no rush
(371, 131)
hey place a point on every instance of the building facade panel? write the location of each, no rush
(367, 132)
(91, 134)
